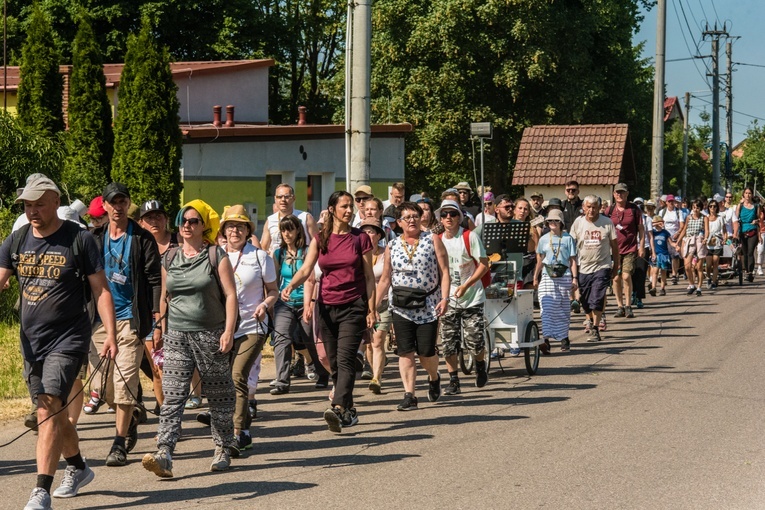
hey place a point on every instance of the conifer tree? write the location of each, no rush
(91, 139)
(41, 89)
(147, 137)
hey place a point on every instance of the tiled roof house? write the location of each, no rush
(597, 156)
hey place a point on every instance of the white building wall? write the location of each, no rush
(246, 89)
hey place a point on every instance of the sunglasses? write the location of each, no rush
(571, 190)
(361, 199)
(191, 221)
(449, 214)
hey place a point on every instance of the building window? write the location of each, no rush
(272, 181)
(314, 204)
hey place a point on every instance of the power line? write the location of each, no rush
(690, 31)
(734, 111)
(750, 65)
(702, 10)
(717, 17)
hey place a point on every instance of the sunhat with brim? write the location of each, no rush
(237, 214)
(657, 219)
(554, 215)
(36, 186)
(463, 186)
(210, 218)
(449, 204)
(375, 224)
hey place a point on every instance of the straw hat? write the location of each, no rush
(238, 214)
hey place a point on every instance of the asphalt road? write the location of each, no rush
(665, 412)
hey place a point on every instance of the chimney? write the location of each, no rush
(302, 116)
(216, 115)
(230, 116)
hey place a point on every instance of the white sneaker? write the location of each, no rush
(759, 272)
(38, 500)
(74, 480)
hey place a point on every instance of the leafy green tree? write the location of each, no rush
(41, 89)
(147, 138)
(441, 64)
(24, 151)
(751, 164)
(91, 139)
(699, 173)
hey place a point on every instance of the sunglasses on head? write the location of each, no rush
(190, 221)
(450, 214)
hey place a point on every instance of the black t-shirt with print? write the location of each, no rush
(54, 316)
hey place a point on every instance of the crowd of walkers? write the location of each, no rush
(194, 308)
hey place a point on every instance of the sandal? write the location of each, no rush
(193, 402)
(93, 404)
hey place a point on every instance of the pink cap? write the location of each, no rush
(96, 208)
(488, 196)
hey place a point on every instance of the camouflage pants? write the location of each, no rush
(472, 321)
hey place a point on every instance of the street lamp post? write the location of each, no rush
(482, 131)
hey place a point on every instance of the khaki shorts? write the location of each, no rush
(122, 382)
(627, 263)
(385, 317)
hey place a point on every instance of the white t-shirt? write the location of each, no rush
(462, 266)
(673, 220)
(272, 224)
(593, 242)
(729, 216)
(249, 285)
(489, 219)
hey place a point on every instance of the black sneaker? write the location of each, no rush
(132, 434)
(253, 408)
(545, 347)
(594, 336)
(204, 418)
(565, 345)
(662, 292)
(244, 441)
(334, 419)
(434, 389)
(30, 420)
(280, 390)
(750, 277)
(652, 292)
(322, 382)
(409, 403)
(620, 312)
(116, 457)
(367, 372)
(691, 289)
(350, 418)
(628, 313)
(674, 280)
(453, 388)
(698, 292)
(481, 375)
(298, 367)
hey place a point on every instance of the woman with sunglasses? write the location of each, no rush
(346, 304)
(555, 276)
(199, 324)
(748, 230)
(716, 239)
(417, 269)
(293, 318)
(692, 246)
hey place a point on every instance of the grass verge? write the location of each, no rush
(14, 399)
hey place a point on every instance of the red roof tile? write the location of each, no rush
(595, 154)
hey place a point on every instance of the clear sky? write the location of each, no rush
(686, 20)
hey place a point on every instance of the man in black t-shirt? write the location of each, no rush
(55, 326)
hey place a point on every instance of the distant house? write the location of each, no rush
(597, 156)
(237, 157)
(672, 110)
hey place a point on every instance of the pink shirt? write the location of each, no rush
(342, 267)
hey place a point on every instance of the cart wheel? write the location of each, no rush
(467, 362)
(531, 354)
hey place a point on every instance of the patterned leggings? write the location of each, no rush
(185, 351)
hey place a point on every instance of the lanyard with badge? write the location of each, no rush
(118, 264)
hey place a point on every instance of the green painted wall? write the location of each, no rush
(222, 193)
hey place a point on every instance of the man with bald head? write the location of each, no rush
(54, 260)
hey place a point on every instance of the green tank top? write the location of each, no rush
(195, 303)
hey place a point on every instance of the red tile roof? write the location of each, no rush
(596, 154)
(113, 71)
(672, 109)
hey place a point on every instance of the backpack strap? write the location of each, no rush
(466, 240)
(169, 256)
(18, 238)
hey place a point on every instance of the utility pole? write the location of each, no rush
(715, 35)
(729, 112)
(360, 94)
(657, 146)
(686, 126)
